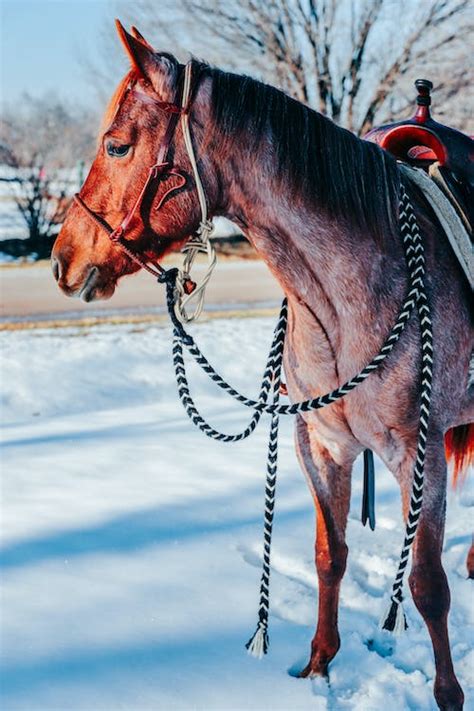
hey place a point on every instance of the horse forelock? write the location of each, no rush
(116, 100)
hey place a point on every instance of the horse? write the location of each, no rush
(320, 206)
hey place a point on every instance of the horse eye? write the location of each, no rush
(117, 151)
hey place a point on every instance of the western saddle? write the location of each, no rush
(446, 154)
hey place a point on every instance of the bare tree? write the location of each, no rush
(45, 144)
(47, 131)
(353, 60)
(42, 200)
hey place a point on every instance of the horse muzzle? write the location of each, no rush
(88, 287)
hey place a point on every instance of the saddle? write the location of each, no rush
(447, 155)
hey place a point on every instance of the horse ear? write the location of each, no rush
(138, 35)
(157, 69)
(134, 49)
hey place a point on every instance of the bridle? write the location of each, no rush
(163, 167)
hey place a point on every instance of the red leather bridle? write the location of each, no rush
(161, 167)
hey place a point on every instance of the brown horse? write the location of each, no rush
(321, 208)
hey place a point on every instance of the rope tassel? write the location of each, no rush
(394, 620)
(257, 645)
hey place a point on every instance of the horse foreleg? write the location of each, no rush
(428, 582)
(330, 483)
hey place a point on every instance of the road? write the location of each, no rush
(30, 293)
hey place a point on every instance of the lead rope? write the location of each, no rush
(257, 645)
(394, 619)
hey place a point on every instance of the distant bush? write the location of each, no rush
(42, 200)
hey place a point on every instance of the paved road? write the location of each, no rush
(31, 293)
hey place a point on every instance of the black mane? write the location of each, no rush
(328, 165)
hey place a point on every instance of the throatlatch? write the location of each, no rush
(268, 402)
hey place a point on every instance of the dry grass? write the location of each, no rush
(139, 320)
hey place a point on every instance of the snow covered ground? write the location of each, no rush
(132, 544)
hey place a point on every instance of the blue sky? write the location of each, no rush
(42, 41)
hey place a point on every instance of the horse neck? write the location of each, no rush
(339, 274)
(316, 258)
(343, 286)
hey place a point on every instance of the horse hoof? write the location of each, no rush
(315, 669)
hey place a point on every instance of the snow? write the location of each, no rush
(132, 543)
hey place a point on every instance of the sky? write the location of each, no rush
(42, 42)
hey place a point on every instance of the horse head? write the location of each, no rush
(140, 187)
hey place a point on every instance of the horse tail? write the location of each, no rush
(459, 447)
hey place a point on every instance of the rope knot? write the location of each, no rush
(195, 243)
(206, 227)
(168, 276)
(257, 645)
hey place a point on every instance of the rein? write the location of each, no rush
(268, 402)
(180, 290)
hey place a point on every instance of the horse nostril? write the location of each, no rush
(56, 267)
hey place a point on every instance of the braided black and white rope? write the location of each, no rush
(261, 405)
(273, 363)
(258, 643)
(394, 619)
(268, 402)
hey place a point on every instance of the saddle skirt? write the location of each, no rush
(440, 160)
(448, 216)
